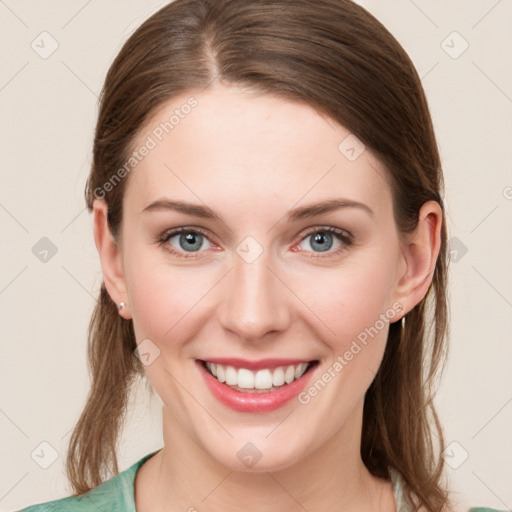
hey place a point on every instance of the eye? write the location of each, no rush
(326, 240)
(185, 240)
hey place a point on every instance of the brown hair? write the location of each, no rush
(336, 57)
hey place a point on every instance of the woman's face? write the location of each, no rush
(260, 271)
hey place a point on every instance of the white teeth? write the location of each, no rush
(245, 378)
(261, 379)
(231, 376)
(212, 367)
(289, 374)
(278, 377)
(300, 370)
(220, 373)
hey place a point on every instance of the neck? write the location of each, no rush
(183, 476)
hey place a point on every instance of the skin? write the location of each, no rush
(252, 158)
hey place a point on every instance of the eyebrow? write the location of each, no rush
(304, 212)
(301, 213)
(196, 210)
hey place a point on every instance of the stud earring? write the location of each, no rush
(121, 305)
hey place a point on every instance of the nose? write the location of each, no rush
(256, 301)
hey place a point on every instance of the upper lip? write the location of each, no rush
(256, 365)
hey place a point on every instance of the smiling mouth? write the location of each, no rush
(263, 380)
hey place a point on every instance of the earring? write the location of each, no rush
(403, 322)
(121, 305)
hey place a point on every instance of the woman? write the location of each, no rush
(267, 199)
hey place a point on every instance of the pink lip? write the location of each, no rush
(253, 402)
(256, 365)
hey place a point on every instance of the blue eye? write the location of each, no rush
(186, 240)
(183, 242)
(322, 240)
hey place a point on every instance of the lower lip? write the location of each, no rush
(254, 402)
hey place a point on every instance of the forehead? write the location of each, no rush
(227, 147)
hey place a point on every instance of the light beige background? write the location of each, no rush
(48, 108)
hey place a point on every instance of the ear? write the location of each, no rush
(420, 251)
(111, 257)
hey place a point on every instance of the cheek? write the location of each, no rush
(353, 299)
(354, 303)
(164, 298)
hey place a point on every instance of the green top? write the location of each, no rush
(117, 495)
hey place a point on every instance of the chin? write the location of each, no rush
(256, 457)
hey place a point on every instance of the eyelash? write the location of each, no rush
(166, 236)
(342, 235)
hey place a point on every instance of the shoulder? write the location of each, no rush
(84, 503)
(485, 509)
(404, 505)
(114, 495)
(108, 496)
